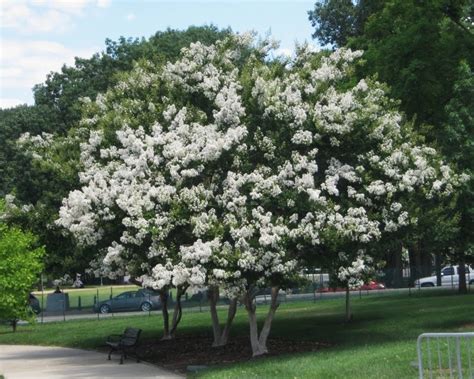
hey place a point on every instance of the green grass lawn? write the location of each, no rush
(379, 343)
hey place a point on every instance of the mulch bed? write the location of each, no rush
(186, 350)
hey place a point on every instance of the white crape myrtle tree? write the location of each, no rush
(352, 273)
(230, 170)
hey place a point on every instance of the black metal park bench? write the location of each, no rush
(125, 344)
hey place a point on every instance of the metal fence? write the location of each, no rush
(446, 355)
(101, 302)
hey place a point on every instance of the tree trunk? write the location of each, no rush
(411, 257)
(259, 342)
(14, 324)
(221, 336)
(390, 274)
(419, 269)
(178, 312)
(164, 310)
(230, 318)
(416, 269)
(438, 269)
(348, 306)
(462, 277)
(398, 273)
(426, 260)
(213, 296)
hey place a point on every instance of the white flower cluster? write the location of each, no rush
(353, 275)
(41, 140)
(234, 169)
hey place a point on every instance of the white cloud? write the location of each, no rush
(28, 62)
(131, 17)
(284, 52)
(25, 62)
(8, 102)
(103, 3)
(43, 16)
(66, 6)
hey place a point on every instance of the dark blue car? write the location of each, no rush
(142, 300)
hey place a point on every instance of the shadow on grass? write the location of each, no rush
(379, 320)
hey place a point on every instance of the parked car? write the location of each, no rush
(449, 277)
(142, 300)
(264, 295)
(372, 285)
(34, 304)
(330, 289)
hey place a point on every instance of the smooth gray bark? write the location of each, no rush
(462, 277)
(166, 318)
(348, 306)
(178, 311)
(221, 336)
(258, 341)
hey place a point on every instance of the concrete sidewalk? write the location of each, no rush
(40, 362)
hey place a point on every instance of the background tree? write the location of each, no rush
(20, 266)
(336, 21)
(351, 273)
(456, 138)
(15, 169)
(88, 77)
(416, 47)
(40, 172)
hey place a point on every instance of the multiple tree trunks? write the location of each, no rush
(169, 333)
(258, 341)
(178, 311)
(221, 335)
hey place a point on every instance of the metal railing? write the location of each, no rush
(447, 355)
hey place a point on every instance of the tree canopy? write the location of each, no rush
(424, 50)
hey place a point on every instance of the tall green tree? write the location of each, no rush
(14, 168)
(336, 21)
(88, 77)
(416, 47)
(456, 138)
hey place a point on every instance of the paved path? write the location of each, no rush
(39, 362)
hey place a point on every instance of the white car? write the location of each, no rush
(449, 277)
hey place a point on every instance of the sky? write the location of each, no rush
(39, 36)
